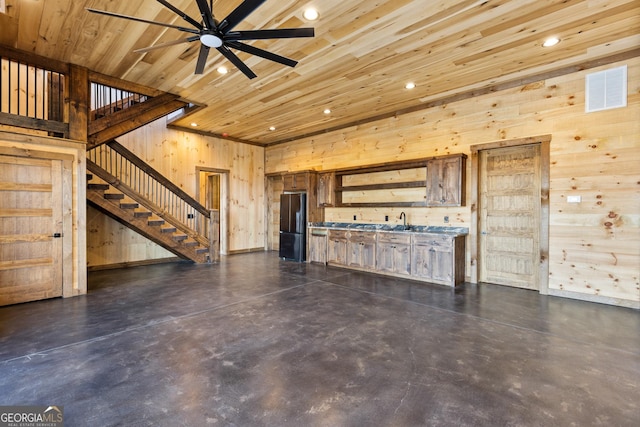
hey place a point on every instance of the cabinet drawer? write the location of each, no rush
(362, 237)
(398, 238)
(339, 235)
(440, 240)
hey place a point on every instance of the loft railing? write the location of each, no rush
(122, 169)
(32, 96)
(107, 100)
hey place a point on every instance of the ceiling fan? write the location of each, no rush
(218, 34)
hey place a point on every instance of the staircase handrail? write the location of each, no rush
(101, 163)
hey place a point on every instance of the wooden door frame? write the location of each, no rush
(474, 235)
(224, 203)
(67, 182)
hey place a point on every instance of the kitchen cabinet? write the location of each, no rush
(393, 253)
(295, 181)
(361, 249)
(445, 181)
(434, 257)
(438, 258)
(318, 239)
(326, 189)
(337, 247)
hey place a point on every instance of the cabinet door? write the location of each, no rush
(361, 250)
(432, 259)
(295, 182)
(337, 247)
(318, 248)
(326, 188)
(445, 178)
(393, 253)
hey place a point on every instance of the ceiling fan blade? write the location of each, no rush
(236, 61)
(167, 44)
(239, 13)
(133, 18)
(207, 14)
(180, 13)
(262, 53)
(283, 33)
(202, 58)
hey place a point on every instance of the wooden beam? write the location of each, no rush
(49, 126)
(79, 102)
(136, 119)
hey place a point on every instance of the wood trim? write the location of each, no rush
(387, 186)
(134, 263)
(545, 165)
(34, 60)
(50, 126)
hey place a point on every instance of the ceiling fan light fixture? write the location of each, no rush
(211, 40)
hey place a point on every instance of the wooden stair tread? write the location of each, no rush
(155, 221)
(114, 196)
(129, 205)
(168, 229)
(98, 186)
(142, 214)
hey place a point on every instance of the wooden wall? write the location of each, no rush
(594, 245)
(176, 154)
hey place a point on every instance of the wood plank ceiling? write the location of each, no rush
(357, 64)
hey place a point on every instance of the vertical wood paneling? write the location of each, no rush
(593, 245)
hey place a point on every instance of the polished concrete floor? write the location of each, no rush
(256, 341)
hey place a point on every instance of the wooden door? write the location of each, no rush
(30, 229)
(509, 222)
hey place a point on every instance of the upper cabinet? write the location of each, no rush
(296, 181)
(445, 181)
(326, 189)
(436, 181)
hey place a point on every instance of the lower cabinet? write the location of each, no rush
(393, 253)
(438, 258)
(361, 250)
(337, 247)
(430, 257)
(318, 246)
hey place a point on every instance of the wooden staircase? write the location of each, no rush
(128, 212)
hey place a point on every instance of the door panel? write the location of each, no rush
(510, 216)
(30, 216)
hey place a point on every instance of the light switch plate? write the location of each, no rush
(574, 199)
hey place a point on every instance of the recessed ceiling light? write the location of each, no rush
(410, 85)
(310, 14)
(272, 128)
(551, 41)
(327, 111)
(223, 70)
(194, 124)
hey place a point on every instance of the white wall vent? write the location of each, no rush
(606, 89)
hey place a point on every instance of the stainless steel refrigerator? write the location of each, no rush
(293, 226)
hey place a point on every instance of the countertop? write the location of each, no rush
(455, 231)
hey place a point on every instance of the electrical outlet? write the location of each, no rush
(574, 199)
(354, 217)
(446, 219)
(386, 217)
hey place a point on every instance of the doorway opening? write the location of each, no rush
(509, 233)
(212, 192)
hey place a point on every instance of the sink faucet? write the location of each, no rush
(403, 216)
